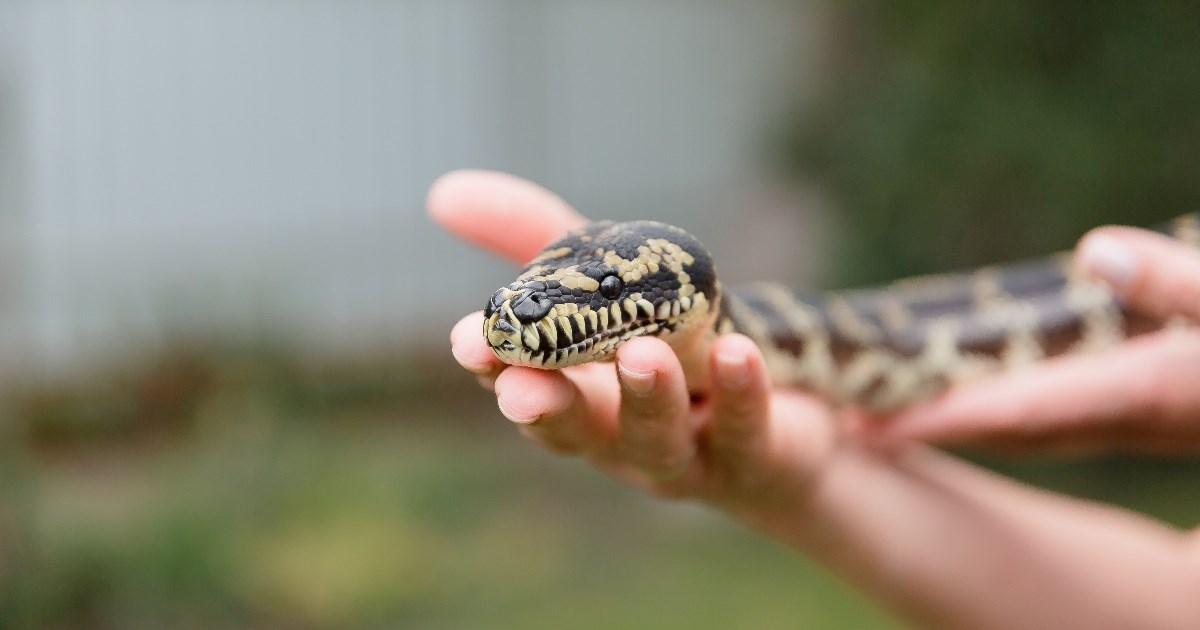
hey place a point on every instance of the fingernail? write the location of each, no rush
(512, 415)
(640, 383)
(732, 370)
(1110, 260)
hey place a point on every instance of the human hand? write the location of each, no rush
(1142, 395)
(744, 445)
(924, 534)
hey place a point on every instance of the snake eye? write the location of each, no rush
(611, 287)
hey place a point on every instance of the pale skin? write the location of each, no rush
(940, 542)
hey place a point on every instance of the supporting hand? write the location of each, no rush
(745, 445)
(1143, 395)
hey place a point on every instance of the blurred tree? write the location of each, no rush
(953, 134)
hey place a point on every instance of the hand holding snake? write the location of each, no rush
(1144, 395)
(585, 294)
(924, 534)
(636, 422)
(1136, 396)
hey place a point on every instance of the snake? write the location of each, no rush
(878, 348)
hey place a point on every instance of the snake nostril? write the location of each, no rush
(531, 307)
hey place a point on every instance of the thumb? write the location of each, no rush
(502, 213)
(1149, 272)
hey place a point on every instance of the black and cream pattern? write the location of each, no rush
(879, 348)
(599, 286)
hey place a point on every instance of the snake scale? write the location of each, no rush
(880, 348)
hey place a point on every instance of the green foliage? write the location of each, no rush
(953, 134)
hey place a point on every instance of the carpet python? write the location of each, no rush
(879, 348)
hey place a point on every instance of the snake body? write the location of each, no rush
(880, 348)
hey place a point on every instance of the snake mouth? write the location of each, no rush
(598, 347)
(562, 340)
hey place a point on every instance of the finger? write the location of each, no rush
(1151, 379)
(737, 431)
(566, 411)
(505, 214)
(673, 488)
(470, 349)
(1150, 272)
(762, 447)
(655, 435)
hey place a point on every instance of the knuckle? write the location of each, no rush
(738, 421)
(734, 413)
(670, 466)
(652, 410)
(663, 461)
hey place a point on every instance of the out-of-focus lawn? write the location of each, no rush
(255, 491)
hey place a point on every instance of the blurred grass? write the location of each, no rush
(278, 492)
(275, 492)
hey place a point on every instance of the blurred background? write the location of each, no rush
(226, 397)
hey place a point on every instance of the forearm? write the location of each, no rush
(946, 544)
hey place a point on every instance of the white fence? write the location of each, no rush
(261, 165)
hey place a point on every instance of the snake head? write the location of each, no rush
(597, 287)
